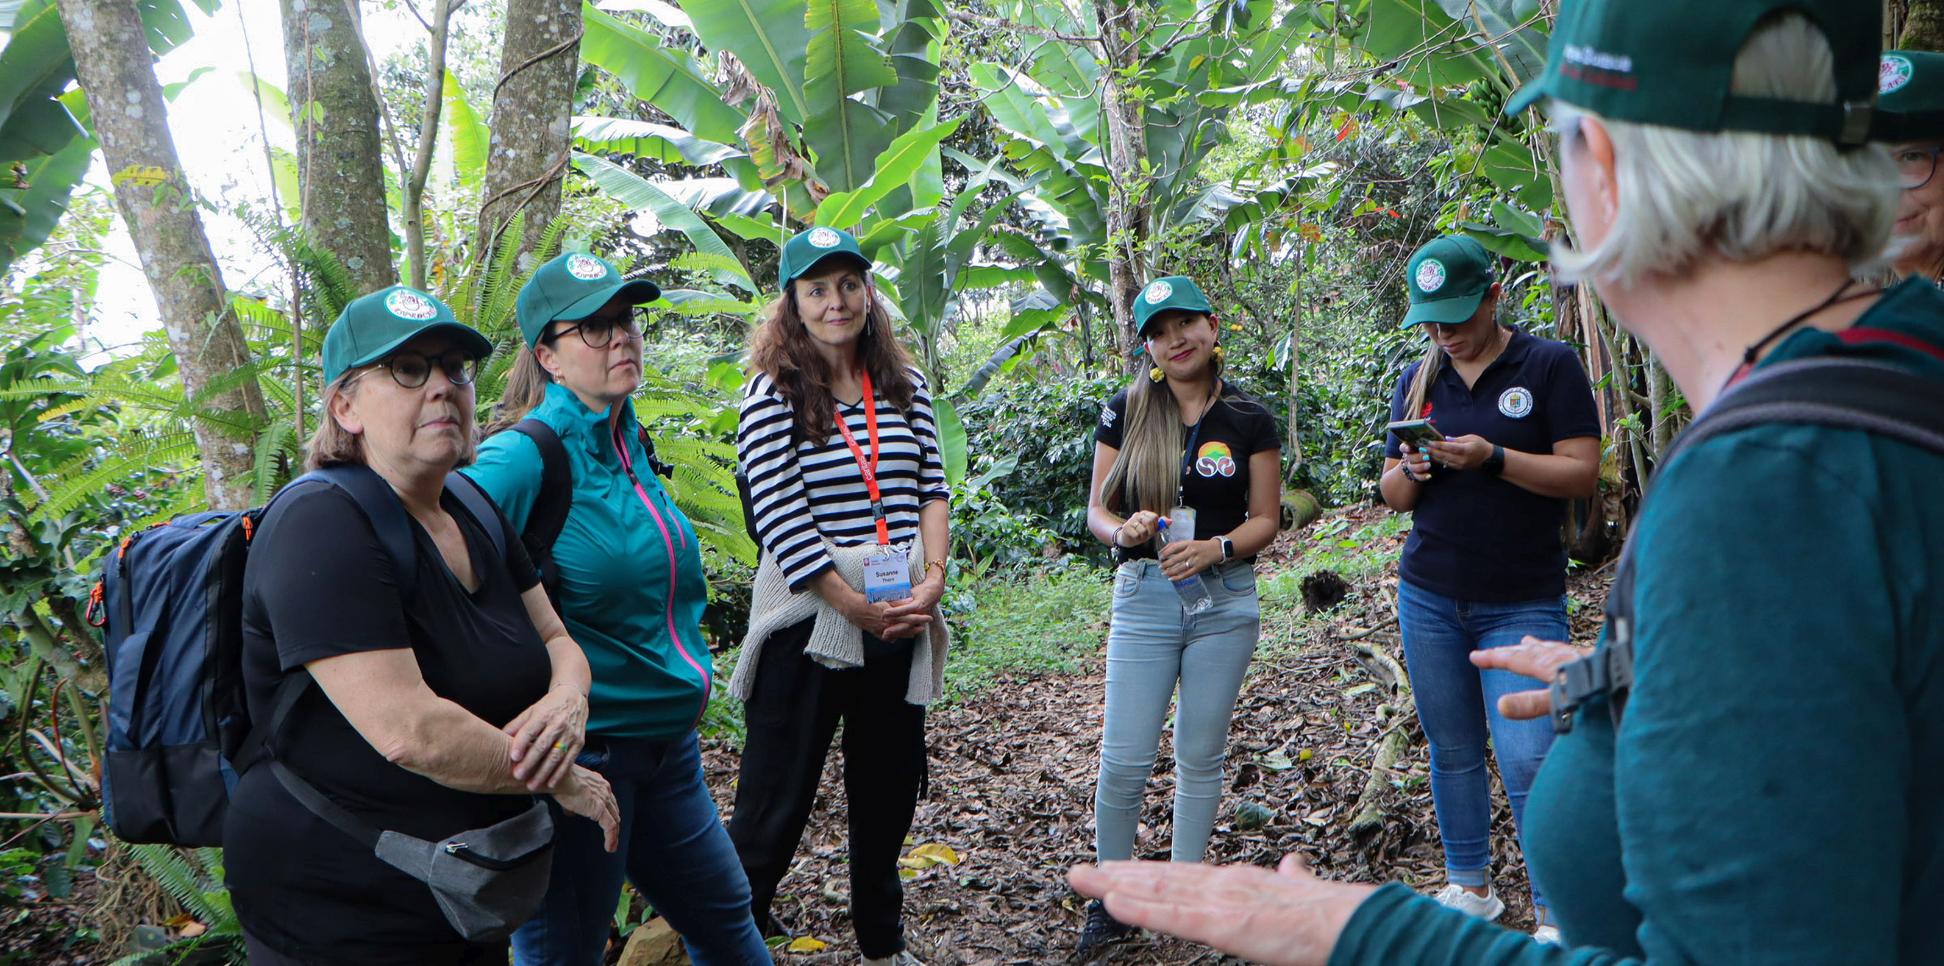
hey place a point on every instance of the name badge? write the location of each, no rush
(887, 574)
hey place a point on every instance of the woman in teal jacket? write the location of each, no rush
(627, 578)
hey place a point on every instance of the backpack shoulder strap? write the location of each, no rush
(549, 512)
(1873, 397)
(387, 515)
(480, 506)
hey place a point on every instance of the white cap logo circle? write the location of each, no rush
(410, 305)
(1516, 402)
(1430, 275)
(1157, 292)
(586, 267)
(824, 238)
(1894, 73)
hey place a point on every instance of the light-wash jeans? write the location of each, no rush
(1151, 646)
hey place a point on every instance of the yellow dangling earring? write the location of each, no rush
(1218, 353)
(1156, 374)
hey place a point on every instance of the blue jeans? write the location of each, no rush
(1151, 645)
(673, 848)
(1455, 703)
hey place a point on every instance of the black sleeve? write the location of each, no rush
(1400, 397)
(1570, 407)
(1112, 415)
(1264, 432)
(326, 584)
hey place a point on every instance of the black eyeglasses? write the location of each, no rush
(411, 369)
(597, 331)
(1916, 166)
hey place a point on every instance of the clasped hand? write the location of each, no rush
(891, 620)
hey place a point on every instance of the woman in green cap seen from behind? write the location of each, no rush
(1749, 771)
(846, 487)
(1187, 489)
(574, 471)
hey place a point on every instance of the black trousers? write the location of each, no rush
(793, 710)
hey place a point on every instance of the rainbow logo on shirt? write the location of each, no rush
(1215, 459)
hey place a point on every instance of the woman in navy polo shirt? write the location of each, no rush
(1483, 567)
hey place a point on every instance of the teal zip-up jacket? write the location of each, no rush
(631, 581)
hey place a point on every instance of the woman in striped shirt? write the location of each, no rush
(848, 494)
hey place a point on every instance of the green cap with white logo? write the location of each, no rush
(1911, 81)
(376, 325)
(1672, 64)
(1177, 292)
(803, 252)
(1449, 277)
(572, 286)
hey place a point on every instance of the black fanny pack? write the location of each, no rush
(487, 881)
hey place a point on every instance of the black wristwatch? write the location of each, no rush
(1228, 548)
(1495, 463)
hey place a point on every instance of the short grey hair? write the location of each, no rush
(1687, 195)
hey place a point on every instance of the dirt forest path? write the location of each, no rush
(1012, 780)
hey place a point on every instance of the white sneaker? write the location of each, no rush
(901, 958)
(1547, 935)
(1487, 907)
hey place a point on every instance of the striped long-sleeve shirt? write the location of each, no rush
(804, 491)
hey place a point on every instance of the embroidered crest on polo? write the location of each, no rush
(586, 267)
(1157, 292)
(1894, 73)
(407, 304)
(1430, 275)
(824, 238)
(1515, 402)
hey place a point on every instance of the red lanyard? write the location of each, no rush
(869, 469)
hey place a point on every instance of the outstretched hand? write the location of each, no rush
(1283, 918)
(1533, 658)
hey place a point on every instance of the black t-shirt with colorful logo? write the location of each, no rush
(1216, 483)
(1480, 537)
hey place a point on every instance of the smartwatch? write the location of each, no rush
(1495, 463)
(1228, 548)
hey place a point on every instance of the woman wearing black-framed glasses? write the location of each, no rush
(1914, 81)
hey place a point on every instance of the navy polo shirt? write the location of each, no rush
(1475, 536)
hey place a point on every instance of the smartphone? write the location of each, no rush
(1415, 432)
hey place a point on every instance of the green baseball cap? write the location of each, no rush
(1449, 277)
(803, 252)
(1911, 81)
(1163, 294)
(1672, 64)
(574, 285)
(374, 326)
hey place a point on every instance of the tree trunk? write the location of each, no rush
(1127, 195)
(529, 154)
(1923, 25)
(414, 188)
(340, 175)
(111, 59)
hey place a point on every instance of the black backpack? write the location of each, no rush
(549, 513)
(1847, 393)
(169, 602)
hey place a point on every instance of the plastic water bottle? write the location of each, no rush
(1179, 525)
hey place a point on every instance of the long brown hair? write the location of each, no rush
(1149, 462)
(780, 348)
(526, 387)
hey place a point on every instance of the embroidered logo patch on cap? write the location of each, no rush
(1157, 292)
(586, 267)
(410, 305)
(1515, 402)
(824, 238)
(1430, 275)
(1894, 73)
